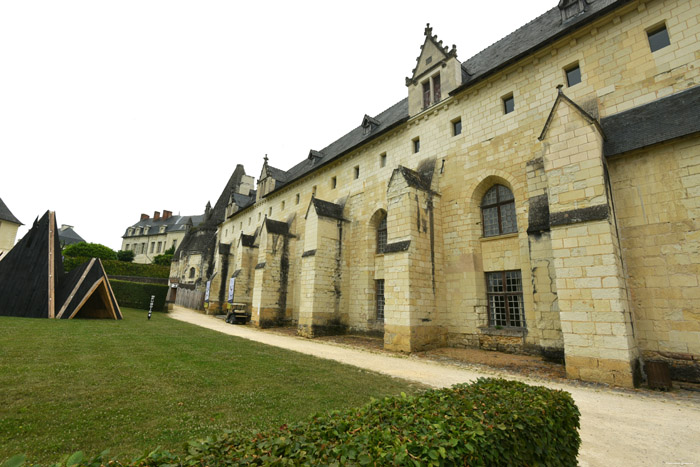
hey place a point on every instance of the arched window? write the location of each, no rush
(381, 235)
(498, 212)
(192, 273)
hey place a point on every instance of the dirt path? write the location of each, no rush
(618, 427)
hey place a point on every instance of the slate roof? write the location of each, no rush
(172, 224)
(243, 201)
(394, 115)
(328, 209)
(414, 179)
(276, 227)
(526, 39)
(520, 43)
(6, 215)
(69, 237)
(664, 119)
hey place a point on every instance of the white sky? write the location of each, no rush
(111, 109)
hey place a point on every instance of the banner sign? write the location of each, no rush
(231, 285)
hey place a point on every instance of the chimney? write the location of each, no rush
(167, 214)
(144, 217)
(156, 215)
(65, 227)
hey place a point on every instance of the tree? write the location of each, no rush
(125, 255)
(90, 250)
(163, 260)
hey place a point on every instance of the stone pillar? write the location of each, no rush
(410, 258)
(321, 270)
(595, 314)
(246, 255)
(270, 291)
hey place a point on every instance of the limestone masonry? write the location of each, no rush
(540, 197)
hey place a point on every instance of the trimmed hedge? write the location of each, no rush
(121, 268)
(490, 422)
(138, 295)
(90, 250)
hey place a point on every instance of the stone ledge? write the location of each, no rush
(509, 332)
(498, 237)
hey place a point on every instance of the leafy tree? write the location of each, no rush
(170, 251)
(163, 260)
(125, 255)
(90, 250)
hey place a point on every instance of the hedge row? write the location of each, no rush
(490, 422)
(138, 295)
(121, 268)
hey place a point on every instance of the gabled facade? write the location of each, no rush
(151, 236)
(8, 229)
(540, 197)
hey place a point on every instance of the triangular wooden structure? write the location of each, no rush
(33, 283)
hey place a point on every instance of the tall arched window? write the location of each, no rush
(192, 273)
(381, 235)
(498, 212)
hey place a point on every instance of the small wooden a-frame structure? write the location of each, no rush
(33, 283)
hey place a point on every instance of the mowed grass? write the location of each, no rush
(133, 385)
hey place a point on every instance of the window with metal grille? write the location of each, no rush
(379, 286)
(381, 236)
(505, 298)
(498, 212)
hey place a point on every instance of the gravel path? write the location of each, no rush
(618, 427)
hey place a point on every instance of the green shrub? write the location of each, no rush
(138, 295)
(125, 255)
(120, 268)
(490, 422)
(89, 250)
(163, 260)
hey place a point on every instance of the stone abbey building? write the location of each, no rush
(542, 196)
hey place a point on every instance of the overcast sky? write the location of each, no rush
(111, 109)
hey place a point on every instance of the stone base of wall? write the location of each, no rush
(266, 318)
(317, 330)
(413, 338)
(500, 341)
(601, 370)
(683, 366)
(462, 341)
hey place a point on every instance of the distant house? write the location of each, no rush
(151, 236)
(8, 229)
(67, 236)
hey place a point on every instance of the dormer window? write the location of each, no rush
(570, 8)
(369, 124)
(315, 156)
(162, 229)
(437, 73)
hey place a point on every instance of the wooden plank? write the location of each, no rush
(86, 297)
(118, 312)
(52, 291)
(75, 289)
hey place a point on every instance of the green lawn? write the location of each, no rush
(131, 385)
